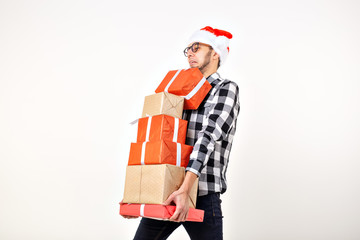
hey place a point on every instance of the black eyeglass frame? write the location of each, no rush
(194, 50)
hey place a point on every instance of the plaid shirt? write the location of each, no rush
(211, 129)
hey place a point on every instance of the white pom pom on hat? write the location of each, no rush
(216, 38)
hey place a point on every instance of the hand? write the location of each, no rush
(129, 217)
(181, 200)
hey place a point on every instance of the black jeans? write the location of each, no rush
(210, 228)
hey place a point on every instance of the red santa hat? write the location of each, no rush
(216, 38)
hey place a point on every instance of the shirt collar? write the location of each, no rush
(213, 77)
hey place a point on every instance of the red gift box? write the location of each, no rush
(157, 211)
(161, 127)
(160, 152)
(189, 83)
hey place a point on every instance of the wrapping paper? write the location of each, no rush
(163, 103)
(153, 184)
(159, 152)
(189, 83)
(157, 211)
(161, 127)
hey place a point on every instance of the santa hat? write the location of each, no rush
(216, 38)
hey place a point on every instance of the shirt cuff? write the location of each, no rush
(193, 171)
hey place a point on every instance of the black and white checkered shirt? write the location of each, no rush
(211, 129)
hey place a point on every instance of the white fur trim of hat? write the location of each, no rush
(216, 38)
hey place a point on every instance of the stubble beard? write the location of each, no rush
(206, 63)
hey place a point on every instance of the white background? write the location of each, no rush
(73, 74)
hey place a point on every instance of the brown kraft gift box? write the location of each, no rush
(153, 184)
(163, 103)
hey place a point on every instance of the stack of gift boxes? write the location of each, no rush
(157, 161)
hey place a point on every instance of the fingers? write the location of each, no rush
(169, 199)
(180, 214)
(175, 216)
(129, 217)
(179, 218)
(184, 215)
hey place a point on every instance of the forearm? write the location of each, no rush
(199, 157)
(188, 182)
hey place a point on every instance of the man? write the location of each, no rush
(211, 128)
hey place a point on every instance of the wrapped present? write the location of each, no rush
(188, 83)
(161, 127)
(157, 211)
(163, 103)
(159, 152)
(153, 184)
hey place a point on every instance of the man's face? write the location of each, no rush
(199, 55)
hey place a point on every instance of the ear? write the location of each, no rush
(215, 55)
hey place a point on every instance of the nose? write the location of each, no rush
(190, 53)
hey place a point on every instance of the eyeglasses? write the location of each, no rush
(194, 48)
